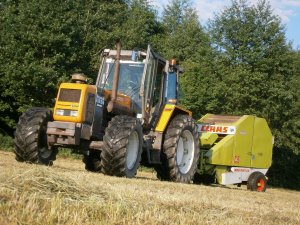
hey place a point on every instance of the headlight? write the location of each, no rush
(59, 112)
(74, 113)
(66, 112)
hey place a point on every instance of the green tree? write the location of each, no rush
(186, 40)
(292, 129)
(176, 13)
(182, 30)
(43, 42)
(141, 25)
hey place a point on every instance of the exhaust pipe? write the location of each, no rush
(114, 94)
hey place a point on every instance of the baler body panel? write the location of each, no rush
(262, 145)
(249, 145)
(241, 155)
(222, 153)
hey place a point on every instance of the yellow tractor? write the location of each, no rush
(130, 115)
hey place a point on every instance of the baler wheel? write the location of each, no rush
(122, 149)
(180, 155)
(31, 139)
(257, 182)
(92, 161)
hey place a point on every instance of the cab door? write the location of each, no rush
(147, 84)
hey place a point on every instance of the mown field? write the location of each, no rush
(66, 194)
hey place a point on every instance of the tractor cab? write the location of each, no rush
(137, 83)
(128, 84)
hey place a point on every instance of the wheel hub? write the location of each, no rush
(185, 152)
(132, 149)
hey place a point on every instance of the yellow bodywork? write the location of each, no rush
(207, 139)
(166, 115)
(250, 146)
(74, 106)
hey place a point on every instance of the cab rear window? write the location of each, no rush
(69, 95)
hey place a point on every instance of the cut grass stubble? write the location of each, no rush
(66, 194)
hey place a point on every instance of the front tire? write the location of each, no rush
(180, 155)
(92, 161)
(31, 139)
(121, 153)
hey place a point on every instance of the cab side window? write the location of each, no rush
(157, 95)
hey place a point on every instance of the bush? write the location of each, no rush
(69, 153)
(6, 142)
(285, 169)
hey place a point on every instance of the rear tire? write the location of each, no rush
(257, 182)
(31, 139)
(180, 155)
(93, 161)
(122, 149)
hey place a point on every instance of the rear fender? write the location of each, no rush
(168, 113)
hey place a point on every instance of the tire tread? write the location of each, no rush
(113, 156)
(169, 170)
(26, 141)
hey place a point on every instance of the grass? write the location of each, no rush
(7, 144)
(66, 194)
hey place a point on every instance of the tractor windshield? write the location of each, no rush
(129, 79)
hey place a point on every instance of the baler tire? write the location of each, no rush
(92, 161)
(257, 182)
(30, 142)
(123, 139)
(181, 129)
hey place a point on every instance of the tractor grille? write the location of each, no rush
(69, 95)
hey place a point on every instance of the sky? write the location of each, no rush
(287, 10)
